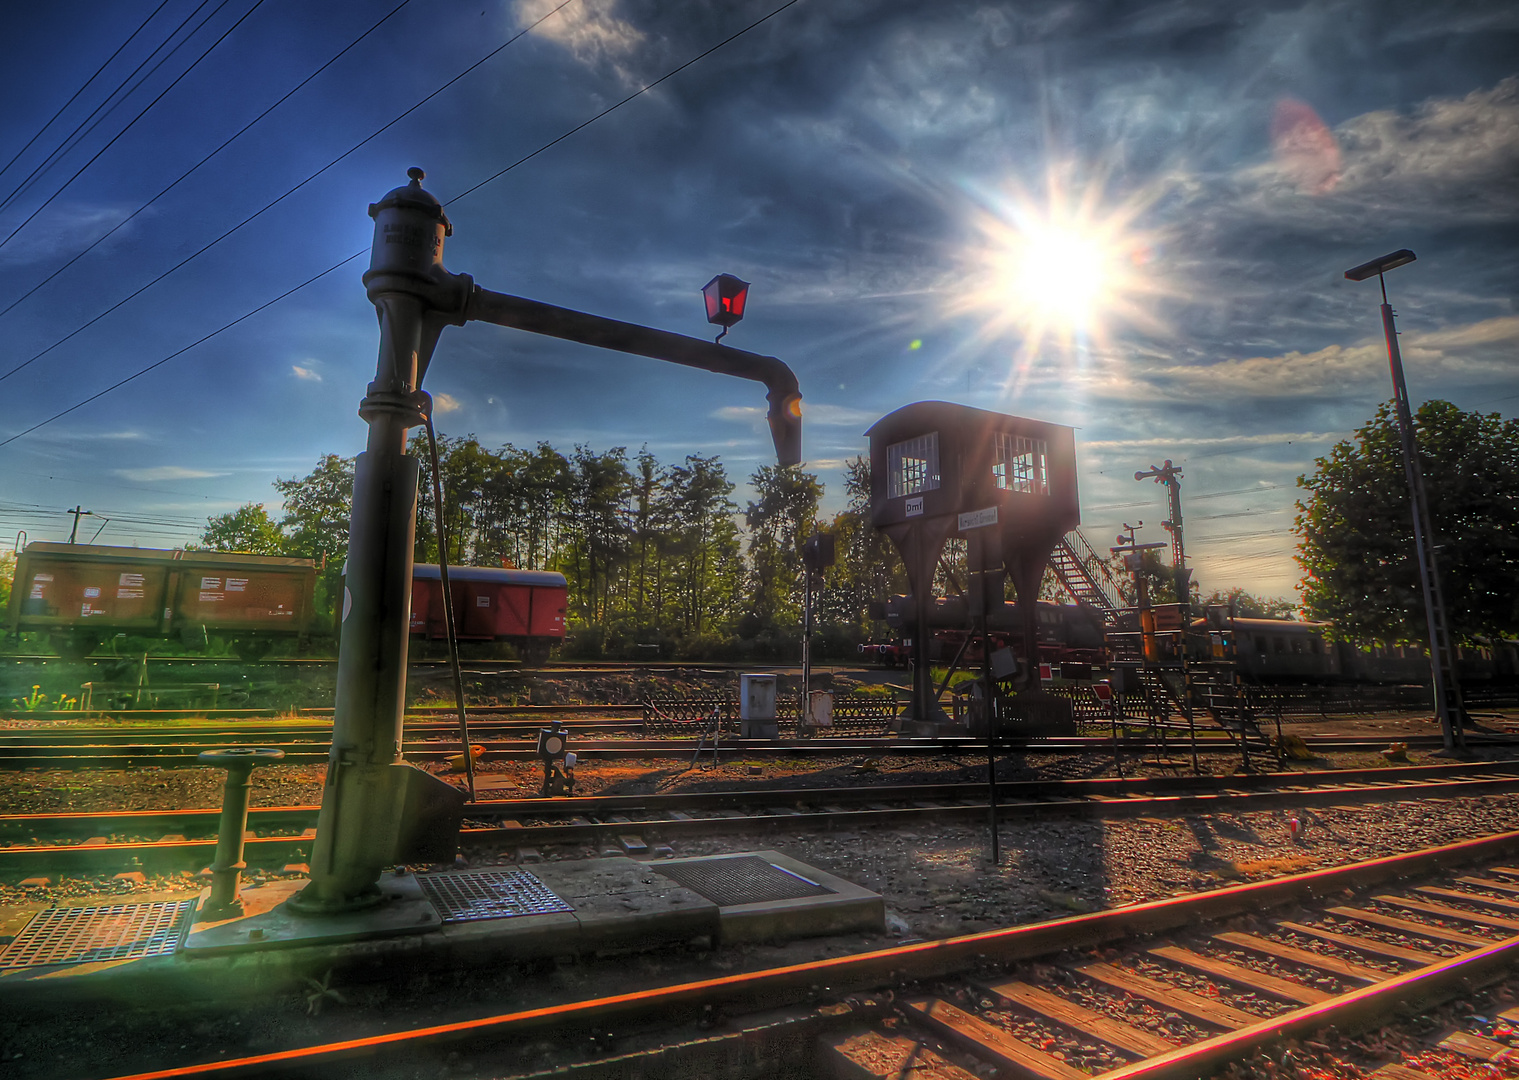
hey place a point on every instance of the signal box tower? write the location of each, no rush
(1005, 483)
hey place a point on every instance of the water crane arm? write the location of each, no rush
(784, 394)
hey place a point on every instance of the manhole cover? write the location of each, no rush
(84, 935)
(491, 894)
(742, 879)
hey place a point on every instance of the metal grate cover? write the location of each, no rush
(742, 879)
(492, 894)
(83, 935)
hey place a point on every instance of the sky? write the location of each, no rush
(1132, 219)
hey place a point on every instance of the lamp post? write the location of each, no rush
(1441, 658)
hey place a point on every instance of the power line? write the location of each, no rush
(109, 103)
(199, 341)
(184, 175)
(123, 92)
(274, 202)
(64, 107)
(225, 34)
(247, 315)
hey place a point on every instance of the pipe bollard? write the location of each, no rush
(226, 871)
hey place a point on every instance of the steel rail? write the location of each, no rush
(180, 821)
(139, 822)
(134, 756)
(37, 859)
(937, 959)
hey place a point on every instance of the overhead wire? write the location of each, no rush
(131, 123)
(75, 96)
(341, 262)
(186, 174)
(107, 107)
(281, 198)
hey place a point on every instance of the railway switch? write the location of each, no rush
(226, 871)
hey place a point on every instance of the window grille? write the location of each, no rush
(1022, 464)
(913, 466)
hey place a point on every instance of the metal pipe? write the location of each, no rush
(227, 869)
(536, 317)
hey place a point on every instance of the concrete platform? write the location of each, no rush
(444, 921)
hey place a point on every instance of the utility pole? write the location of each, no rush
(78, 513)
(1447, 684)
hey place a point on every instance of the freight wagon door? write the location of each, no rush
(548, 612)
(426, 609)
(513, 616)
(475, 608)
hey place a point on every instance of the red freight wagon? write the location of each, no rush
(82, 593)
(525, 608)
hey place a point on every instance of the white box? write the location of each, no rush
(820, 709)
(756, 697)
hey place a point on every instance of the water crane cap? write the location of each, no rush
(415, 197)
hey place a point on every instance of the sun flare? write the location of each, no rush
(1064, 269)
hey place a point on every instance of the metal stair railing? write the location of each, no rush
(1084, 574)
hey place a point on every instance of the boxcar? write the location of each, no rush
(79, 594)
(525, 608)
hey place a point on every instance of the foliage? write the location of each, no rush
(247, 529)
(1249, 606)
(1355, 530)
(7, 577)
(317, 508)
(782, 516)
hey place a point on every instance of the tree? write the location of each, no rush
(1249, 606)
(7, 577)
(1355, 530)
(317, 509)
(248, 529)
(783, 516)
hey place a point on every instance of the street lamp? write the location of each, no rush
(726, 296)
(1441, 657)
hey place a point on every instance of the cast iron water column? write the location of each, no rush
(377, 810)
(368, 786)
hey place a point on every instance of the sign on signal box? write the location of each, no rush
(977, 519)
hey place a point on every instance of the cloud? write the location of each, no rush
(60, 231)
(166, 472)
(445, 403)
(1475, 350)
(589, 31)
(739, 413)
(837, 416)
(1449, 159)
(305, 374)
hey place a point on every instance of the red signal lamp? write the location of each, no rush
(726, 297)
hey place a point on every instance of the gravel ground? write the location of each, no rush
(936, 884)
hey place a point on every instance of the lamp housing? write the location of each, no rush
(1391, 261)
(726, 297)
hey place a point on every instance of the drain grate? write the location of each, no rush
(490, 894)
(83, 935)
(741, 879)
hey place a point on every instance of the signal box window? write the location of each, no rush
(913, 466)
(1021, 464)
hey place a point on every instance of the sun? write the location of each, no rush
(1064, 268)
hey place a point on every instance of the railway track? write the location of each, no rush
(1171, 989)
(158, 841)
(438, 742)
